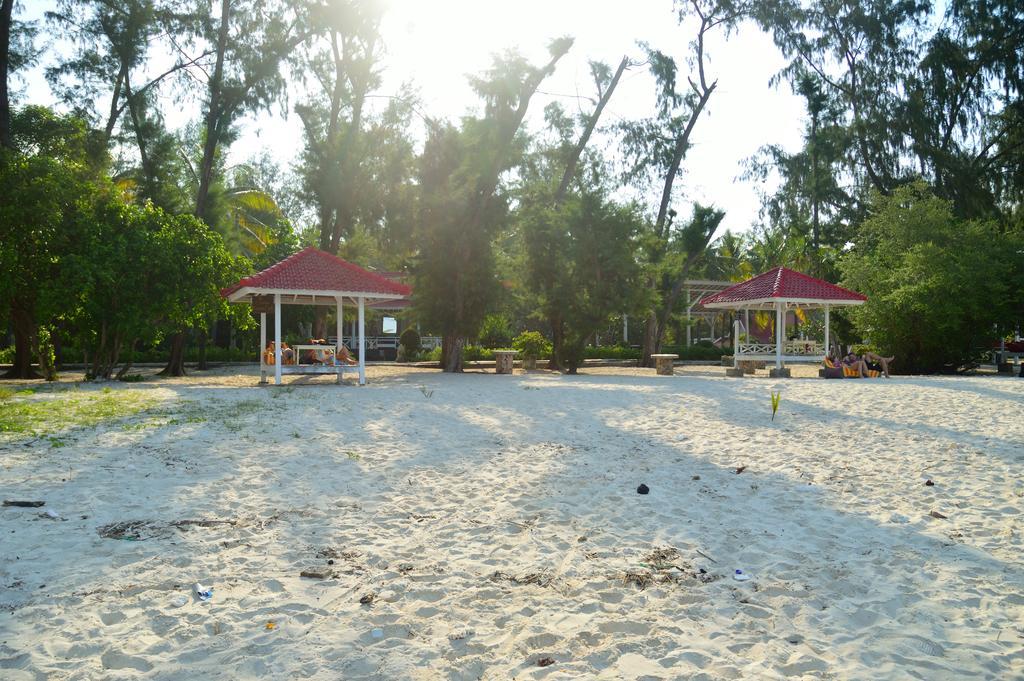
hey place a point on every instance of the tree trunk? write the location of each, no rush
(570, 167)
(98, 356)
(451, 354)
(203, 366)
(6, 7)
(131, 358)
(652, 340)
(557, 343)
(176, 363)
(213, 119)
(24, 333)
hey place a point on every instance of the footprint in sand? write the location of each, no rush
(109, 618)
(116, 660)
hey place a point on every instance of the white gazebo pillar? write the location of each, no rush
(625, 329)
(827, 346)
(338, 331)
(780, 332)
(362, 344)
(735, 343)
(277, 339)
(263, 347)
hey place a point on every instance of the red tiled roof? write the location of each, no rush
(784, 283)
(314, 270)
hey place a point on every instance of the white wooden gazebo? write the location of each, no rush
(781, 290)
(313, 277)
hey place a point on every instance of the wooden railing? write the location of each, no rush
(791, 348)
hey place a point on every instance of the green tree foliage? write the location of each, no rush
(581, 265)
(56, 169)
(249, 42)
(141, 275)
(937, 285)
(918, 96)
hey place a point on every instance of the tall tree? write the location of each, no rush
(459, 204)
(564, 157)
(657, 147)
(249, 42)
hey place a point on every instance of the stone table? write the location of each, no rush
(664, 364)
(503, 360)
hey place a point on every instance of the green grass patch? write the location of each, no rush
(55, 411)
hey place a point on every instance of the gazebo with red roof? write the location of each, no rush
(312, 277)
(781, 289)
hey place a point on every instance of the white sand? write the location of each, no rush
(497, 521)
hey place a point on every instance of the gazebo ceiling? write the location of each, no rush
(310, 274)
(782, 285)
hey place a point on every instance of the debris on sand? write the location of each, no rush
(24, 504)
(542, 579)
(643, 489)
(936, 514)
(545, 662)
(316, 574)
(368, 598)
(129, 530)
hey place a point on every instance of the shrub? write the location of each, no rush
(611, 352)
(531, 345)
(496, 332)
(410, 342)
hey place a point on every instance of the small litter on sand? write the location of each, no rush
(25, 504)
(204, 593)
(936, 514)
(740, 576)
(643, 489)
(545, 662)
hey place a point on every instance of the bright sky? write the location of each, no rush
(437, 43)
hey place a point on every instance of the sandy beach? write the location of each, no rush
(489, 527)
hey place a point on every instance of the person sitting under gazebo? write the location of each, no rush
(287, 354)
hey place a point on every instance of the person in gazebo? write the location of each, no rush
(287, 354)
(342, 357)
